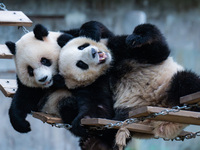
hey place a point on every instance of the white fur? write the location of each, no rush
(147, 85)
(70, 55)
(29, 52)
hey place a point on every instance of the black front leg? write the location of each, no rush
(68, 109)
(18, 114)
(147, 45)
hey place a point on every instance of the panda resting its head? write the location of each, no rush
(36, 55)
(82, 60)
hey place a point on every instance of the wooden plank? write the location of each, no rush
(4, 52)
(8, 87)
(135, 127)
(191, 98)
(185, 117)
(46, 118)
(14, 18)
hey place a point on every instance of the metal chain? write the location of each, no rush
(62, 125)
(163, 112)
(3, 7)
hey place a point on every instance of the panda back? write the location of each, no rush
(145, 84)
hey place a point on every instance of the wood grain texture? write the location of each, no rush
(191, 98)
(8, 87)
(14, 18)
(4, 52)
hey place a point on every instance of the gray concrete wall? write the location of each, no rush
(177, 19)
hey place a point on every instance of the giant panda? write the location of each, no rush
(35, 55)
(144, 74)
(83, 65)
(150, 77)
(83, 79)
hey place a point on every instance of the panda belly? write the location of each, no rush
(145, 84)
(51, 106)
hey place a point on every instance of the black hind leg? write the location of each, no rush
(183, 83)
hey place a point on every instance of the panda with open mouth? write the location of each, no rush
(143, 74)
(83, 81)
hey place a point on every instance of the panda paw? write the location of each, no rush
(134, 41)
(22, 127)
(78, 130)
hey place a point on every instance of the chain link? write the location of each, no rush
(3, 7)
(62, 125)
(174, 109)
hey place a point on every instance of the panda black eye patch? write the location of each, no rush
(83, 46)
(45, 61)
(30, 71)
(82, 65)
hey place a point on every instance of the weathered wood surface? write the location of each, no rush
(4, 52)
(8, 87)
(46, 118)
(14, 18)
(191, 98)
(135, 127)
(185, 117)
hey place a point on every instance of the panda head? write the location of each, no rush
(82, 60)
(36, 55)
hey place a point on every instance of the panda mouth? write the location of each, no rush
(48, 83)
(102, 57)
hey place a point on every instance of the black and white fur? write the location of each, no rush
(36, 55)
(143, 74)
(83, 65)
(150, 78)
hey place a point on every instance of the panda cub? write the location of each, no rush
(149, 77)
(85, 92)
(143, 74)
(36, 55)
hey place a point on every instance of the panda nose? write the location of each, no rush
(43, 79)
(94, 52)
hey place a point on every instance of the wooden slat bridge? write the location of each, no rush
(8, 88)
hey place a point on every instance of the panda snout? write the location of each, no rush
(43, 79)
(94, 52)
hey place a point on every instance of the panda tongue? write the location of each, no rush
(102, 56)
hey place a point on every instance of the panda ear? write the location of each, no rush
(40, 31)
(64, 39)
(11, 46)
(92, 30)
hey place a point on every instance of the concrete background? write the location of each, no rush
(178, 20)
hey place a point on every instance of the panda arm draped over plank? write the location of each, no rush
(36, 55)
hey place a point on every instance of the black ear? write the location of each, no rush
(91, 30)
(40, 31)
(63, 39)
(11, 46)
